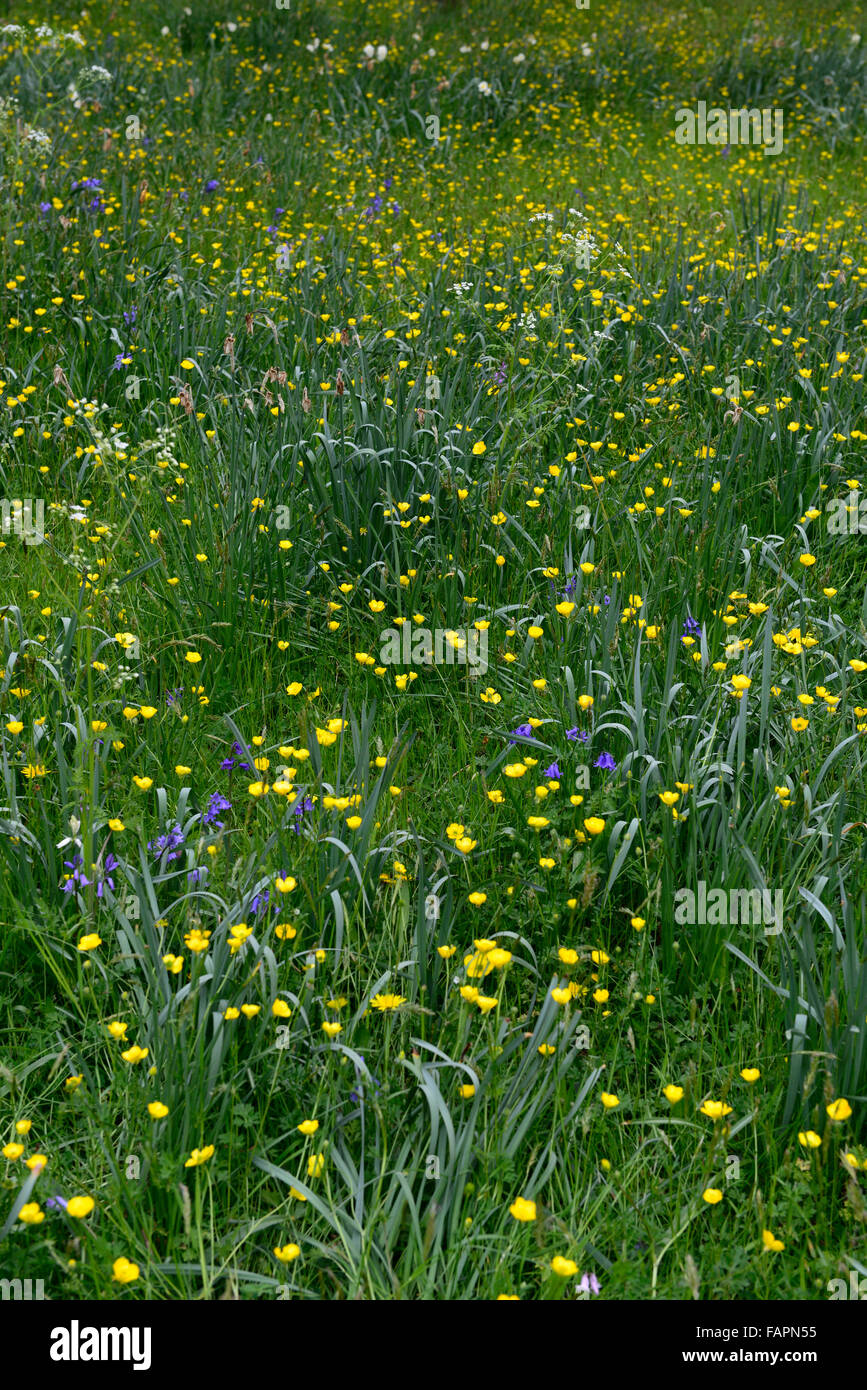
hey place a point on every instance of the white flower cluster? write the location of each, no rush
(44, 31)
(380, 53)
(583, 245)
(542, 217)
(527, 322)
(484, 89)
(460, 288)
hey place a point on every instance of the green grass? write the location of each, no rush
(261, 437)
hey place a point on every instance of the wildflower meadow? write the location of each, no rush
(433, 651)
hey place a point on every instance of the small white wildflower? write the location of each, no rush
(484, 89)
(519, 58)
(381, 53)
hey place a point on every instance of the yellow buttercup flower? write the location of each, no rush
(387, 1003)
(124, 1271)
(839, 1110)
(715, 1109)
(80, 1206)
(287, 1253)
(199, 1156)
(523, 1209)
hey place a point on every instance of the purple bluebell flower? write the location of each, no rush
(606, 762)
(56, 1201)
(211, 185)
(77, 878)
(589, 1284)
(261, 902)
(168, 844)
(234, 759)
(110, 865)
(577, 735)
(553, 772)
(359, 1094)
(522, 731)
(691, 628)
(216, 804)
(45, 208)
(239, 753)
(130, 315)
(305, 805)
